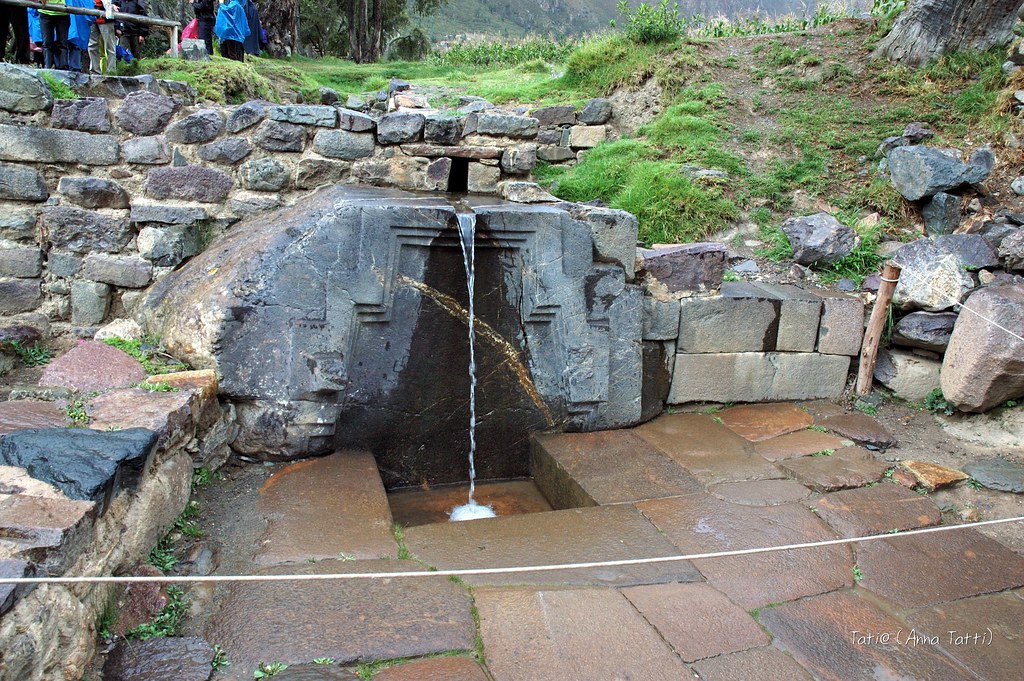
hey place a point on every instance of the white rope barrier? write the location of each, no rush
(192, 579)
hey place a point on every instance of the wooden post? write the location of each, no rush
(873, 335)
(174, 40)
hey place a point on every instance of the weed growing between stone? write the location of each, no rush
(268, 670)
(75, 410)
(220, 660)
(403, 550)
(167, 621)
(936, 402)
(58, 88)
(148, 353)
(32, 355)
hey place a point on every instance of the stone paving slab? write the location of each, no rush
(21, 414)
(93, 366)
(923, 570)
(570, 635)
(707, 449)
(836, 637)
(759, 664)
(569, 536)
(761, 492)
(874, 510)
(702, 524)
(847, 467)
(696, 620)
(435, 669)
(860, 428)
(326, 508)
(757, 422)
(983, 633)
(297, 622)
(800, 443)
(607, 467)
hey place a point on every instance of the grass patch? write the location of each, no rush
(58, 88)
(629, 175)
(147, 352)
(227, 81)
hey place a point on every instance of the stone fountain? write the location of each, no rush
(341, 323)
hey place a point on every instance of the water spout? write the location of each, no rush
(467, 238)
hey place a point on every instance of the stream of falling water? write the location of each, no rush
(467, 238)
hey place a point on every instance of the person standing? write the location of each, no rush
(251, 44)
(132, 34)
(55, 25)
(232, 28)
(16, 19)
(204, 10)
(102, 39)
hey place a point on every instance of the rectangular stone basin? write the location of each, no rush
(412, 506)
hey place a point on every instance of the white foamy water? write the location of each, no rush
(467, 238)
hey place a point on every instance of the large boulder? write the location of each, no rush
(819, 239)
(918, 172)
(984, 363)
(319, 352)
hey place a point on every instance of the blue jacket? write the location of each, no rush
(81, 25)
(34, 31)
(231, 22)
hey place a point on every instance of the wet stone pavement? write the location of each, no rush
(939, 606)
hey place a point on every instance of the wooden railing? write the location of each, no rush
(172, 27)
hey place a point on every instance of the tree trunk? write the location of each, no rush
(376, 30)
(929, 28)
(278, 18)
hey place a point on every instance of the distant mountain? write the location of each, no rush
(518, 18)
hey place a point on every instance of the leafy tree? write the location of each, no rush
(360, 29)
(929, 28)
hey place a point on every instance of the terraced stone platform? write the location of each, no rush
(684, 483)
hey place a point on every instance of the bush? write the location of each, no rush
(646, 24)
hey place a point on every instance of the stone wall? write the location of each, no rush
(84, 502)
(103, 195)
(709, 341)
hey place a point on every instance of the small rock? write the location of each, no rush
(925, 330)
(941, 214)
(1011, 250)
(932, 476)
(746, 267)
(846, 285)
(910, 377)
(860, 428)
(597, 111)
(819, 239)
(523, 192)
(1018, 186)
(329, 96)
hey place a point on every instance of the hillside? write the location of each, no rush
(517, 18)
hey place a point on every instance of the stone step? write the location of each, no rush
(874, 510)
(576, 535)
(842, 469)
(609, 467)
(350, 620)
(570, 635)
(757, 422)
(331, 507)
(707, 449)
